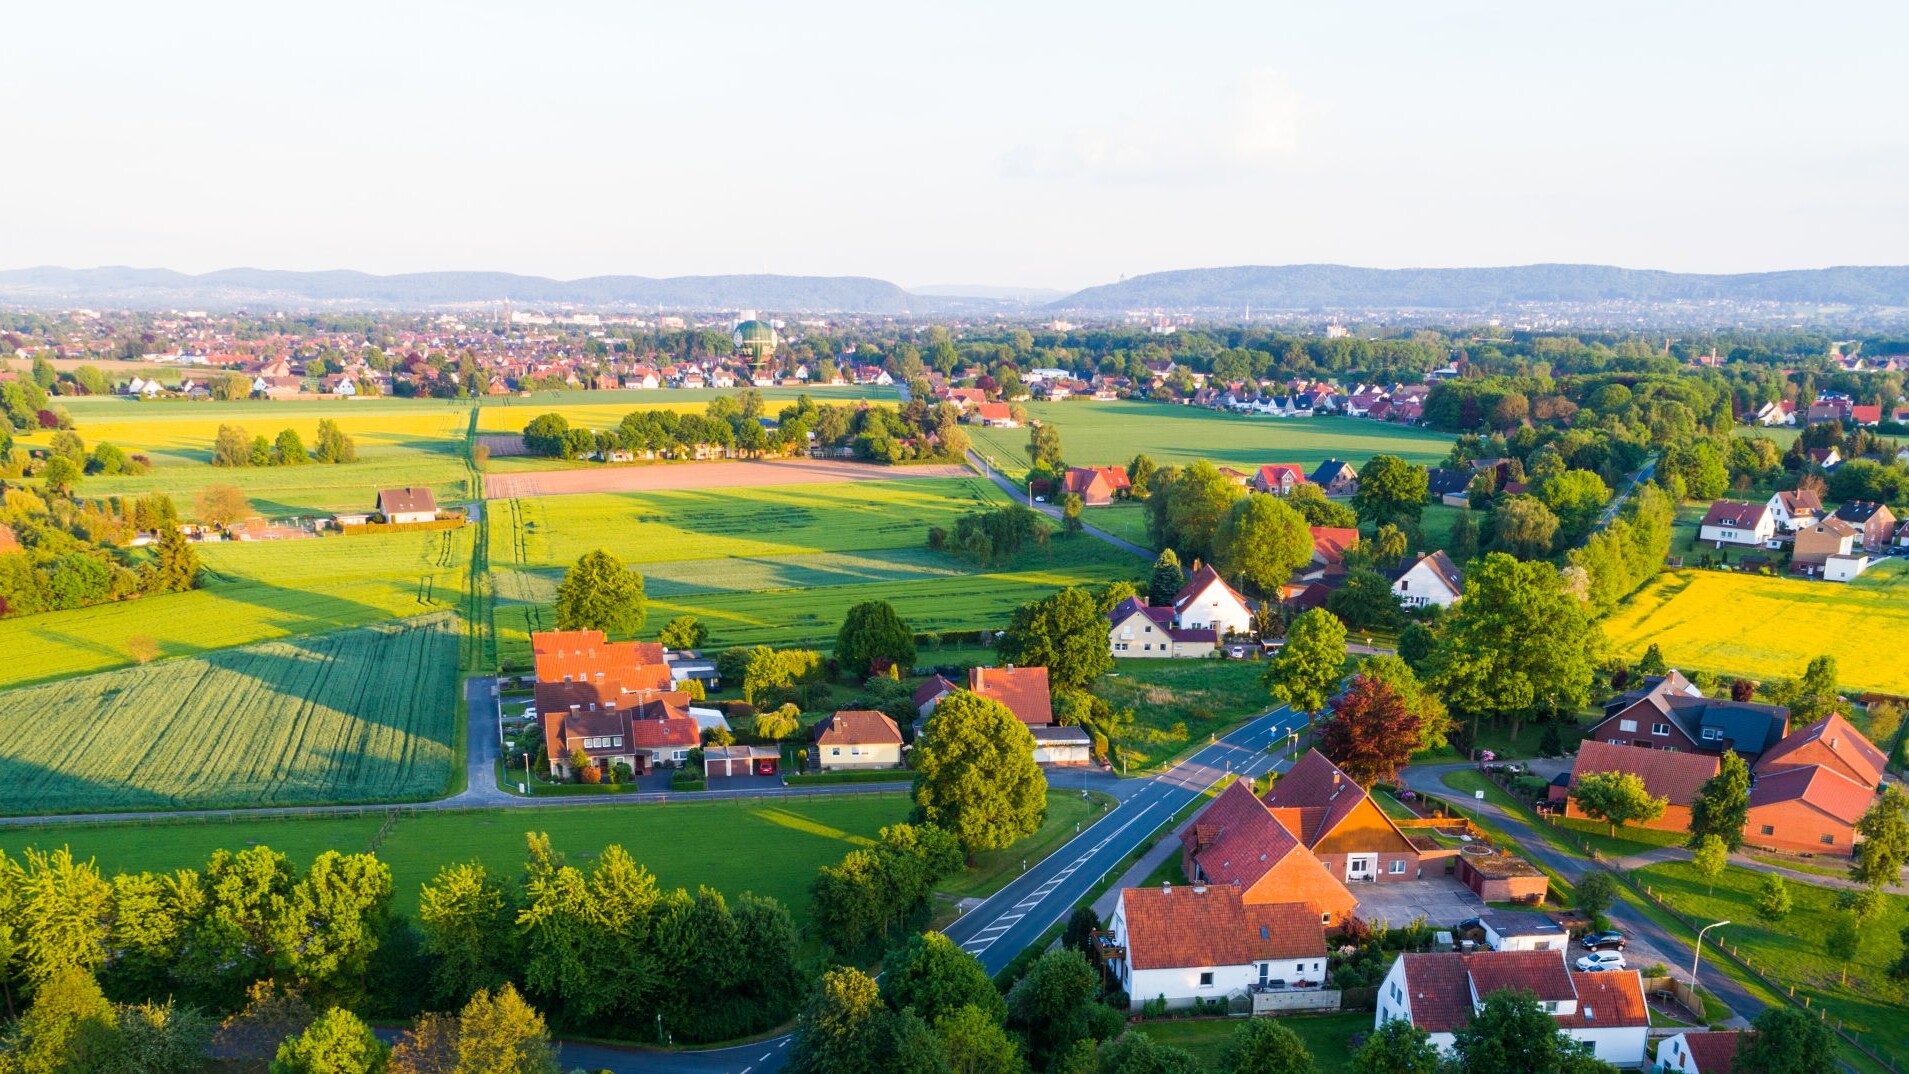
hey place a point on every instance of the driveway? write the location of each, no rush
(1442, 901)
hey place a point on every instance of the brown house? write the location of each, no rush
(1668, 713)
(1809, 810)
(1673, 775)
(1830, 537)
(1876, 520)
(1236, 840)
(1338, 821)
(1832, 743)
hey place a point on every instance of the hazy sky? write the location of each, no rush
(1027, 143)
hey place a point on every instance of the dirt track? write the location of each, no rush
(702, 475)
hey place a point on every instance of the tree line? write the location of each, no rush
(234, 447)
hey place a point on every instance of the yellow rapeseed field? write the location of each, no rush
(1769, 627)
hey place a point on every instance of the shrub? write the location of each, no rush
(590, 774)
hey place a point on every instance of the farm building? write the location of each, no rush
(406, 505)
(1667, 773)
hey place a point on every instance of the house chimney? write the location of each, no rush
(980, 679)
(1166, 886)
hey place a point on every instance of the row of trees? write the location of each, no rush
(234, 447)
(986, 538)
(875, 891)
(739, 425)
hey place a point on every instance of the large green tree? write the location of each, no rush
(1053, 1005)
(1523, 526)
(975, 773)
(467, 919)
(599, 593)
(1884, 848)
(338, 1043)
(1186, 507)
(175, 563)
(1722, 805)
(1391, 490)
(1786, 1041)
(1617, 798)
(1397, 1047)
(1518, 644)
(1576, 497)
(976, 1043)
(1513, 1034)
(499, 1033)
(872, 632)
(1434, 722)
(1307, 668)
(1065, 633)
(1262, 542)
(935, 978)
(1266, 1046)
(1167, 578)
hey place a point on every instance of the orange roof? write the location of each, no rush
(1331, 543)
(1819, 786)
(1318, 793)
(1607, 999)
(1440, 985)
(1671, 774)
(1211, 925)
(1856, 757)
(1023, 690)
(1714, 1052)
(578, 655)
(858, 727)
(668, 731)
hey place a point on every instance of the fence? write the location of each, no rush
(1286, 1002)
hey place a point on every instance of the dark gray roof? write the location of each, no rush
(1747, 727)
(1441, 482)
(1858, 511)
(1329, 471)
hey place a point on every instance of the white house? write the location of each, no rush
(1202, 942)
(1432, 578)
(407, 505)
(1795, 510)
(1844, 568)
(1138, 630)
(1206, 602)
(1440, 993)
(1738, 523)
(1520, 930)
(1698, 1052)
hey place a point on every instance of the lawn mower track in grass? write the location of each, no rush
(1112, 433)
(1769, 627)
(249, 592)
(355, 715)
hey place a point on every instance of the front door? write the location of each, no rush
(1362, 866)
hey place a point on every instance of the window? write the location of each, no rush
(1829, 840)
(1398, 867)
(1206, 978)
(1769, 829)
(1712, 734)
(1617, 742)
(835, 751)
(1326, 918)
(1660, 729)
(1627, 725)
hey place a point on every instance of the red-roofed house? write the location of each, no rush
(1671, 774)
(1095, 485)
(1279, 478)
(999, 415)
(1338, 821)
(1738, 523)
(1810, 810)
(1236, 840)
(1206, 942)
(1440, 992)
(1023, 690)
(1830, 742)
(613, 701)
(1696, 1052)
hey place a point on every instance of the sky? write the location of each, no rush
(1030, 143)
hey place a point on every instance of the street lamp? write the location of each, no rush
(1697, 952)
(526, 771)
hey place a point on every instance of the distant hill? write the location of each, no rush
(1336, 287)
(989, 291)
(227, 288)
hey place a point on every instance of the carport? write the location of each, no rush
(740, 761)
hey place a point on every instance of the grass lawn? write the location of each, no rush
(1790, 952)
(400, 442)
(1176, 703)
(1628, 840)
(723, 844)
(782, 565)
(603, 410)
(252, 591)
(358, 715)
(1126, 520)
(1327, 1036)
(1112, 433)
(1766, 627)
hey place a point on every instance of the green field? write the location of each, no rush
(1767, 627)
(719, 843)
(359, 715)
(779, 565)
(400, 442)
(250, 591)
(1104, 434)
(1180, 703)
(1790, 952)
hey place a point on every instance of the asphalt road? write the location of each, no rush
(1051, 511)
(1014, 917)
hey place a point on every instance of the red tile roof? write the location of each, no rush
(1607, 999)
(1441, 986)
(668, 731)
(1862, 760)
(1269, 473)
(1714, 1052)
(1238, 840)
(857, 727)
(1815, 785)
(1203, 579)
(1318, 792)
(1736, 514)
(1331, 543)
(1023, 690)
(1211, 925)
(585, 654)
(406, 500)
(1671, 774)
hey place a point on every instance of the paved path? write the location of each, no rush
(1642, 475)
(1020, 496)
(1429, 780)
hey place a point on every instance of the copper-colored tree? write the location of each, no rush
(1371, 733)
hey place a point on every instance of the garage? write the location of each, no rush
(727, 761)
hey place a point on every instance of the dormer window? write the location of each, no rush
(1660, 729)
(1713, 734)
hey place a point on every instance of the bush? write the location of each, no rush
(590, 774)
(686, 780)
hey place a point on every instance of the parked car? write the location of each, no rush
(1602, 941)
(1601, 960)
